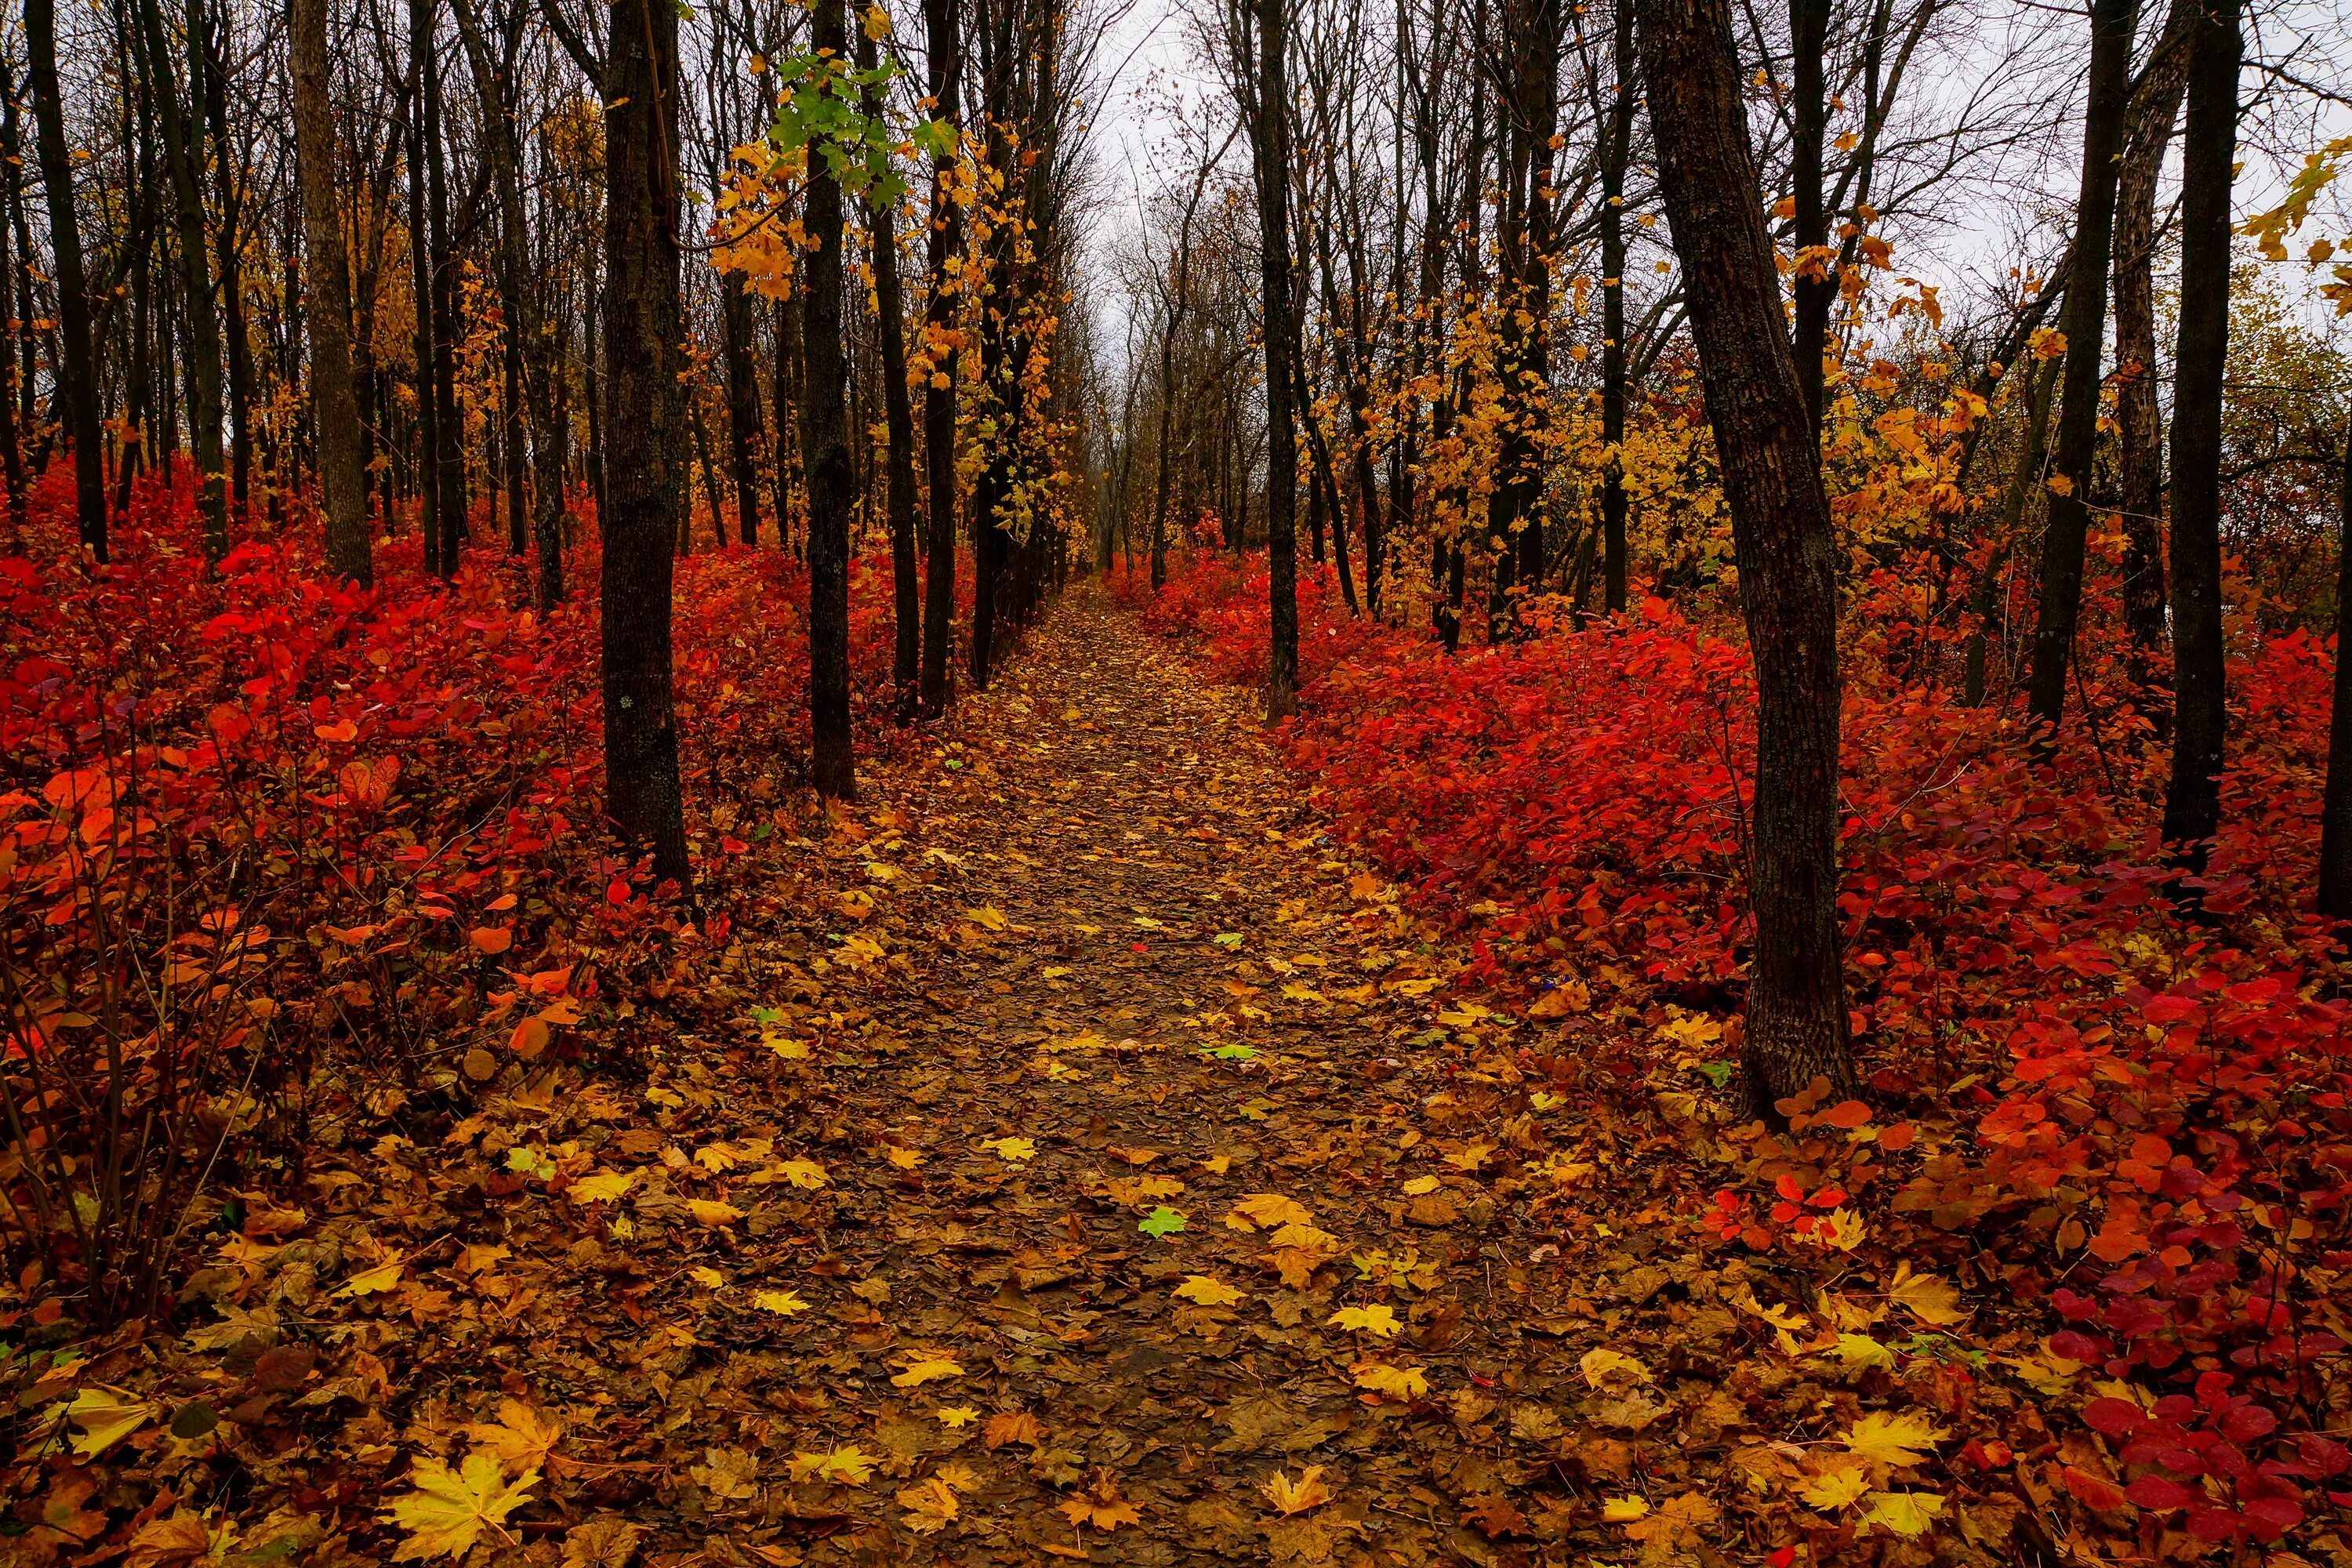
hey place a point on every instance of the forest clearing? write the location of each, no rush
(1502, 784)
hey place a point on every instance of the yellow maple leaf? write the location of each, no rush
(988, 917)
(523, 1438)
(449, 1509)
(1107, 1514)
(1269, 1210)
(1421, 1186)
(602, 1187)
(712, 1212)
(1289, 1497)
(1860, 1353)
(1208, 1292)
(804, 1173)
(1012, 1151)
(779, 1300)
(1908, 1514)
(382, 1277)
(1375, 1320)
(922, 1369)
(1836, 1491)
(1925, 1297)
(955, 1418)
(1391, 1381)
(904, 1159)
(1895, 1441)
(703, 1274)
(1612, 1372)
(930, 1506)
(1624, 1510)
(849, 1465)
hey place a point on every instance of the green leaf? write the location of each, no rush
(1161, 1221)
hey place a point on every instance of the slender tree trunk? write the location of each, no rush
(2061, 605)
(1620, 135)
(77, 380)
(2031, 453)
(944, 33)
(1815, 284)
(237, 335)
(335, 411)
(420, 275)
(450, 430)
(1770, 456)
(2140, 426)
(2192, 802)
(825, 439)
(1270, 142)
(745, 434)
(643, 322)
(2336, 810)
(899, 415)
(184, 147)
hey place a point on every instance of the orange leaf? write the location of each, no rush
(491, 938)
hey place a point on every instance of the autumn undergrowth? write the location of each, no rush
(285, 862)
(2119, 1123)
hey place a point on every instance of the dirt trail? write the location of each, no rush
(1120, 1016)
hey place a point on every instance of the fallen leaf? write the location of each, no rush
(922, 1369)
(449, 1509)
(1207, 1292)
(1289, 1497)
(1378, 1319)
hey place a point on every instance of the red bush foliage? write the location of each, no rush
(2131, 1124)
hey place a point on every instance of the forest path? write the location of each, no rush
(1153, 971)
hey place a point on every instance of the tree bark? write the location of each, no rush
(1815, 284)
(1771, 457)
(2192, 802)
(1270, 142)
(2336, 809)
(2139, 424)
(643, 324)
(335, 409)
(74, 372)
(824, 441)
(745, 433)
(1615, 149)
(2061, 606)
(184, 149)
(898, 417)
(944, 38)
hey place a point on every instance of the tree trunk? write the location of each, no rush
(2192, 802)
(825, 442)
(898, 416)
(2140, 426)
(2335, 812)
(1814, 286)
(450, 429)
(643, 324)
(420, 275)
(2061, 605)
(183, 148)
(74, 376)
(1620, 135)
(335, 409)
(1796, 1019)
(945, 48)
(745, 435)
(1270, 142)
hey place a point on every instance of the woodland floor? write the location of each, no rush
(1102, 925)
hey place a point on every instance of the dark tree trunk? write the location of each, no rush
(745, 434)
(75, 379)
(1270, 143)
(898, 416)
(335, 411)
(237, 335)
(450, 429)
(420, 275)
(2061, 605)
(2192, 802)
(184, 147)
(2336, 810)
(1815, 284)
(1619, 138)
(643, 324)
(945, 47)
(824, 440)
(1796, 1019)
(2139, 424)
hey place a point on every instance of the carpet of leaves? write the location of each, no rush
(2119, 1137)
